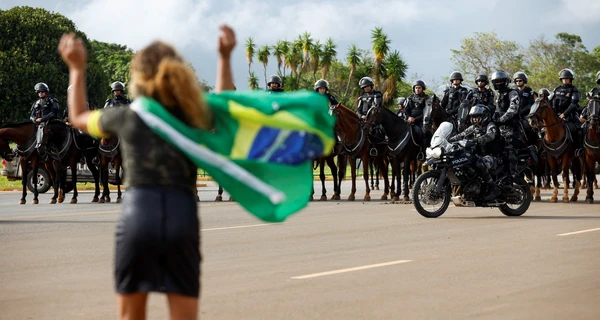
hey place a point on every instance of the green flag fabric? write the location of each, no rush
(260, 149)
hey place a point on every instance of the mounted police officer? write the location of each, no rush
(454, 95)
(43, 110)
(482, 94)
(322, 87)
(119, 100)
(507, 111)
(485, 133)
(565, 102)
(275, 84)
(526, 95)
(401, 109)
(369, 98)
(415, 108)
(593, 94)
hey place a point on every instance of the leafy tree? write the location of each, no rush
(28, 55)
(263, 57)
(250, 51)
(328, 56)
(253, 81)
(381, 47)
(115, 60)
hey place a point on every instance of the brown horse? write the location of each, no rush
(355, 145)
(559, 146)
(591, 143)
(109, 153)
(23, 134)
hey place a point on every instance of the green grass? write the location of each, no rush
(4, 183)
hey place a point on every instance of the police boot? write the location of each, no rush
(579, 143)
(533, 153)
(492, 190)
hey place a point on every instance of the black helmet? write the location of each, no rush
(598, 77)
(520, 75)
(480, 111)
(365, 82)
(275, 79)
(117, 85)
(544, 92)
(500, 76)
(321, 84)
(419, 83)
(41, 87)
(401, 100)
(566, 74)
(456, 76)
(482, 77)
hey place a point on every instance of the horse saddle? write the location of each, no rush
(417, 134)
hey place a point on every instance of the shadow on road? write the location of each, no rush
(528, 217)
(50, 222)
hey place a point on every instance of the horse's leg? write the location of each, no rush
(52, 170)
(595, 182)
(393, 194)
(377, 173)
(384, 172)
(577, 169)
(219, 194)
(589, 172)
(322, 178)
(351, 197)
(61, 178)
(342, 166)
(565, 176)
(74, 159)
(553, 168)
(35, 182)
(89, 158)
(24, 173)
(118, 177)
(104, 179)
(406, 175)
(538, 177)
(333, 168)
(366, 176)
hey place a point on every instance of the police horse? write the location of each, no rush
(591, 143)
(559, 147)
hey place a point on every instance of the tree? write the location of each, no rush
(28, 55)
(250, 51)
(279, 51)
(263, 57)
(353, 59)
(253, 81)
(115, 60)
(315, 58)
(307, 43)
(395, 70)
(329, 54)
(381, 47)
(486, 53)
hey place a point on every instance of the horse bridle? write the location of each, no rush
(543, 108)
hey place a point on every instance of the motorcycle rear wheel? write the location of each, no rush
(520, 186)
(422, 198)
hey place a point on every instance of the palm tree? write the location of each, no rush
(294, 58)
(381, 47)
(395, 69)
(279, 51)
(263, 57)
(353, 59)
(315, 58)
(253, 81)
(327, 57)
(307, 43)
(250, 49)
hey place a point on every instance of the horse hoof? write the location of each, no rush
(219, 198)
(34, 201)
(22, 202)
(589, 200)
(335, 197)
(107, 199)
(73, 201)
(584, 186)
(323, 198)
(565, 199)
(553, 200)
(95, 199)
(538, 198)
(350, 198)
(367, 198)
(384, 197)
(101, 200)
(574, 199)
(61, 200)
(52, 201)
(118, 200)
(406, 198)
(395, 198)
(376, 188)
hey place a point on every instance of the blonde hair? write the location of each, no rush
(159, 72)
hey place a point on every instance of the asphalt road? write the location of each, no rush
(333, 260)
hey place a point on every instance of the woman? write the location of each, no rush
(157, 237)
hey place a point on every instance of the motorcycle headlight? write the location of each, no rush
(434, 153)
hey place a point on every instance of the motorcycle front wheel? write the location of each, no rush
(427, 203)
(518, 200)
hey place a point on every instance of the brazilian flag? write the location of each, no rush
(260, 149)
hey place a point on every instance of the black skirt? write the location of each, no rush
(158, 242)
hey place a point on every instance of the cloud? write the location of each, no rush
(582, 11)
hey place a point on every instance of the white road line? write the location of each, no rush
(327, 273)
(239, 227)
(578, 232)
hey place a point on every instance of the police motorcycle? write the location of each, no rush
(454, 178)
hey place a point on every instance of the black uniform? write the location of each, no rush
(368, 100)
(47, 109)
(415, 106)
(117, 101)
(332, 100)
(271, 90)
(507, 112)
(453, 98)
(526, 100)
(485, 97)
(565, 100)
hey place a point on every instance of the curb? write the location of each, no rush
(198, 185)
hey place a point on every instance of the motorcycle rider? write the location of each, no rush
(118, 90)
(42, 111)
(507, 112)
(485, 132)
(322, 87)
(274, 84)
(565, 102)
(454, 95)
(526, 95)
(369, 98)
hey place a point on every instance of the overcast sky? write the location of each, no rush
(423, 31)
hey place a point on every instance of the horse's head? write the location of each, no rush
(593, 108)
(436, 114)
(540, 110)
(5, 151)
(427, 113)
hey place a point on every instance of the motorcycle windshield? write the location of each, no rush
(441, 134)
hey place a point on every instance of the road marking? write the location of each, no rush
(327, 273)
(578, 232)
(240, 227)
